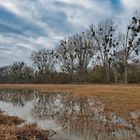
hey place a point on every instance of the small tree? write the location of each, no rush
(5, 74)
(21, 73)
(44, 62)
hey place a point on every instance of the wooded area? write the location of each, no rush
(100, 54)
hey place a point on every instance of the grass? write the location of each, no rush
(124, 97)
(9, 129)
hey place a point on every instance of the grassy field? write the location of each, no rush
(123, 97)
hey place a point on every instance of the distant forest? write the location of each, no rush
(101, 54)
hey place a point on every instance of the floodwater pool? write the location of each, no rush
(69, 117)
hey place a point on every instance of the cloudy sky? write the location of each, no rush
(27, 25)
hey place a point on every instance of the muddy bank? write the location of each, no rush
(10, 130)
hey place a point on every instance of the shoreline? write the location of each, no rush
(9, 129)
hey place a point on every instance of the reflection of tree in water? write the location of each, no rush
(82, 117)
(17, 97)
(48, 105)
(86, 118)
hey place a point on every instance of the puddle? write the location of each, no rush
(70, 118)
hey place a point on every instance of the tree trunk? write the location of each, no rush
(125, 73)
(116, 76)
(82, 73)
(107, 70)
(125, 60)
(125, 69)
(107, 75)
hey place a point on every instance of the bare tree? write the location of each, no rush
(44, 61)
(132, 43)
(76, 52)
(66, 57)
(20, 72)
(106, 44)
(5, 74)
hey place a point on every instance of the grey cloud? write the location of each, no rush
(29, 25)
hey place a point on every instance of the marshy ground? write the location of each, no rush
(109, 110)
(123, 97)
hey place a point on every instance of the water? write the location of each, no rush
(70, 118)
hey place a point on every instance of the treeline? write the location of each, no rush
(98, 55)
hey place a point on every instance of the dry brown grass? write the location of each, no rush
(10, 131)
(28, 132)
(124, 97)
(9, 120)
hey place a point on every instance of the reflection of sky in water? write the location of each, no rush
(25, 113)
(63, 114)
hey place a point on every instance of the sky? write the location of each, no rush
(28, 25)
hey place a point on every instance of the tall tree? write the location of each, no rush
(76, 52)
(132, 43)
(106, 43)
